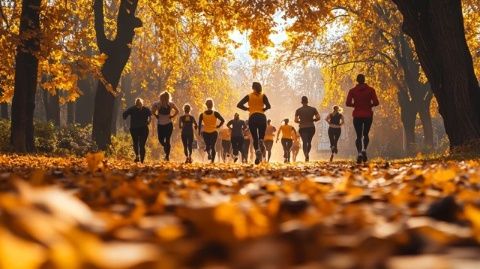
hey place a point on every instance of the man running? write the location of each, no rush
(362, 98)
(288, 133)
(305, 117)
(237, 126)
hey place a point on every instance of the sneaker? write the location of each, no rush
(335, 150)
(258, 156)
(285, 160)
(136, 159)
(359, 158)
(187, 160)
(364, 156)
(331, 157)
(209, 156)
(307, 159)
(235, 158)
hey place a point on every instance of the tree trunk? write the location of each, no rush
(116, 109)
(52, 107)
(70, 113)
(26, 71)
(84, 104)
(118, 52)
(4, 111)
(437, 30)
(408, 116)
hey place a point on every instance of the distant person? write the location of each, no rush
(140, 117)
(335, 121)
(305, 116)
(162, 110)
(362, 98)
(257, 105)
(237, 127)
(187, 123)
(295, 147)
(288, 133)
(207, 127)
(269, 137)
(247, 143)
(226, 137)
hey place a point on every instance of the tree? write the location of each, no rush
(118, 52)
(26, 72)
(437, 30)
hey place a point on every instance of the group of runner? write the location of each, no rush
(257, 128)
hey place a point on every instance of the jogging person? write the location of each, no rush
(305, 116)
(237, 126)
(362, 98)
(247, 143)
(295, 147)
(207, 127)
(140, 117)
(288, 133)
(187, 123)
(226, 137)
(162, 110)
(257, 105)
(335, 121)
(269, 137)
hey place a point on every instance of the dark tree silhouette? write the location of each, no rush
(26, 71)
(118, 52)
(437, 30)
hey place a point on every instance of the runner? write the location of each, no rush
(269, 137)
(247, 141)
(362, 98)
(237, 126)
(207, 127)
(257, 105)
(140, 117)
(288, 133)
(305, 117)
(162, 110)
(186, 124)
(295, 147)
(226, 137)
(335, 121)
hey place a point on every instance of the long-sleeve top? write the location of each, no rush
(362, 98)
(139, 117)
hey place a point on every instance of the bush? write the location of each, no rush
(75, 140)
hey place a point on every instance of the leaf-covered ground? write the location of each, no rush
(85, 213)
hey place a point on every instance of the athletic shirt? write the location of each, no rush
(270, 133)
(163, 113)
(138, 116)
(237, 127)
(287, 131)
(306, 115)
(255, 103)
(187, 124)
(335, 119)
(226, 134)
(209, 122)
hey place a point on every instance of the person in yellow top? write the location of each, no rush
(207, 127)
(257, 105)
(226, 137)
(269, 137)
(288, 134)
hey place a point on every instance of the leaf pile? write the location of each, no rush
(77, 213)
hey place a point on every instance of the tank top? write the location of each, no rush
(209, 122)
(164, 114)
(187, 124)
(287, 132)
(255, 103)
(226, 135)
(335, 118)
(269, 133)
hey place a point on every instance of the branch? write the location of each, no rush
(4, 18)
(102, 41)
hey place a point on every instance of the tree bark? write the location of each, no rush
(26, 71)
(84, 104)
(118, 51)
(437, 30)
(3, 106)
(408, 118)
(70, 113)
(52, 107)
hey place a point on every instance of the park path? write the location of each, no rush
(68, 212)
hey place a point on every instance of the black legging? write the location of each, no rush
(245, 150)
(268, 147)
(237, 144)
(362, 128)
(210, 141)
(307, 134)
(258, 124)
(226, 146)
(187, 140)
(164, 134)
(287, 147)
(334, 135)
(139, 139)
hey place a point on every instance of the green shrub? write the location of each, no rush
(75, 139)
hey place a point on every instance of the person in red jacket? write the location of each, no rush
(362, 98)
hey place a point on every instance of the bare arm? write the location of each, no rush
(200, 121)
(230, 125)
(222, 120)
(328, 118)
(242, 103)
(175, 110)
(180, 123)
(317, 116)
(266, 102)
(297, 117)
